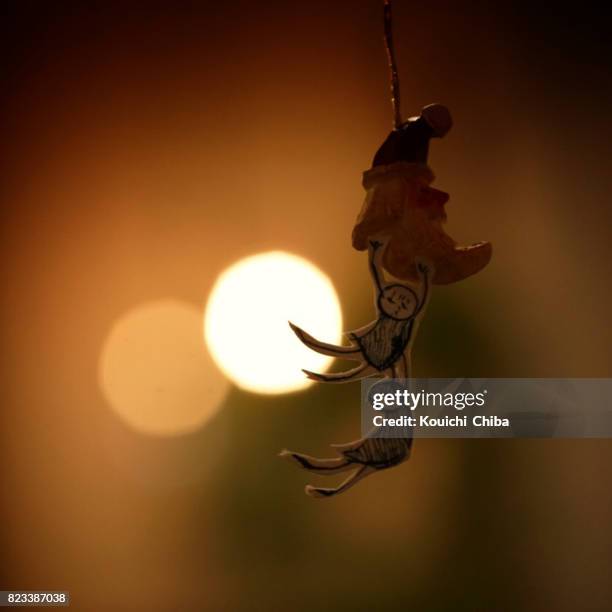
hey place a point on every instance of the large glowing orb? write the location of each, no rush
(246, 319)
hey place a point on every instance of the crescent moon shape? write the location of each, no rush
(451, 264)
(413, 227)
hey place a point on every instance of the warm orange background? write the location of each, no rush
(147, 147)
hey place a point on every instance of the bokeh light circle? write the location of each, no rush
(156, 373)
(246, 321)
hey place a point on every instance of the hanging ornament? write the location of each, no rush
(401, 227)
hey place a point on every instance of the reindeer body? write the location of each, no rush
(383, 349)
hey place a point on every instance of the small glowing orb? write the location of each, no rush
(155, 371)
(246, 321)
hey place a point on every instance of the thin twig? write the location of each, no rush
(395, 87)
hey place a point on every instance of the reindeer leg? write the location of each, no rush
(352, 480)
(333, 350)
(361, 371)
(316, 465)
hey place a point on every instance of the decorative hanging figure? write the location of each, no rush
(401, 227)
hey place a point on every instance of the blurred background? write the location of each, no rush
(146, 148)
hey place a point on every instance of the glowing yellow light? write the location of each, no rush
(156, 373)
(246, 318)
